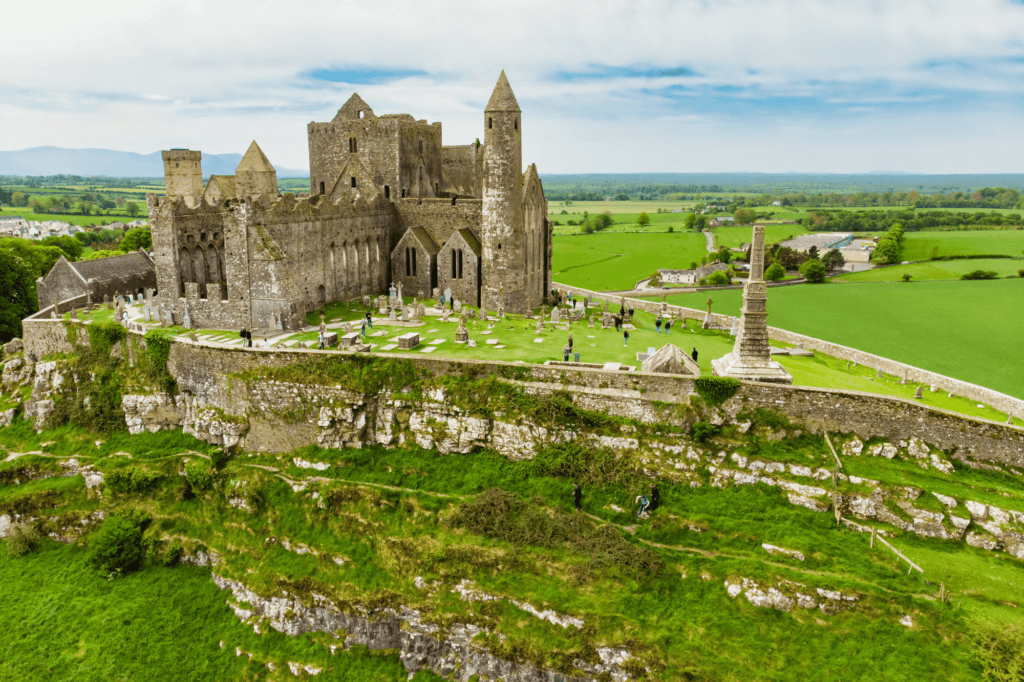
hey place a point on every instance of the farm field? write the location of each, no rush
(81, 220)
(934, 270)
(612, 262)
(736, 235)
(925, 244)
(967, 330)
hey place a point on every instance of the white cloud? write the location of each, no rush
(814, 84)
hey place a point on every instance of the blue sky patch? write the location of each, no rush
(361, 76)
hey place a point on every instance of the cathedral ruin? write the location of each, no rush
(388, 203)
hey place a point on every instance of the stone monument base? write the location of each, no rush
(731, 366)
(461, 336)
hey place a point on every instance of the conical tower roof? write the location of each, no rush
(502, 99)
(255, 161)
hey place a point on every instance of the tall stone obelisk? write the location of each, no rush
(751, 357)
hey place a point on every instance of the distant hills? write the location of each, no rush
(85, 162)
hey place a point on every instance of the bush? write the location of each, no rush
(716, 390)
(775, 272)
(22, 539)
(907, 276)
(1000, 651)
(199, 475)
(116, 547)
(1020, 273)
(702, 431)
(813, 271)
(980, 274)
(131, 481)
(718, 278)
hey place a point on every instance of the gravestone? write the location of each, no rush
(366, 301)
(349, 339)
(348, 328)
(471, 343)
(607, 320)
(392, 292)
(187, 320)
(167, 320)
(554, 316)
(918, 393)
(436, 292)
(879, 374)
(330, 339)
(392, 315)
(461, 335)
(421, 311)
(447, 294)
(382, 304)
(735, 327)
(74, 314)
(472, 314)
(192, 337)
(409, 341)
(405, 313)
(108, 301)
(323, 323)
(483, 313)
(445, 314)
(591, 325)
(501, 309)
(605, 309)
(147, 312)
(563, 314)
(540, 325)
(457, 307)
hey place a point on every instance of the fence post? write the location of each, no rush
(873, 531)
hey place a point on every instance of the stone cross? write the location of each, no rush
(392, 292)
(708, 304)
(323, 324)
(462, 321)
(540, 324)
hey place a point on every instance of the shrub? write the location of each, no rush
(172, 555)
(716, 390)
(718, 278)
(813, 271)
(907, 276)
(131, 481)
(775, 272)
(117, 546)
(1000, 651)
(22, 539)
(980, 274)
(1020, 273)
(199, 475)
(104, 335)
(702, 431)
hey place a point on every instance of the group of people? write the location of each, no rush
(668, 325)
(647, 502)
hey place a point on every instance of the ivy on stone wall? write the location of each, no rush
(104, 335)
(158, 349)
(716, 390)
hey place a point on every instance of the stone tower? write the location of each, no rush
(183, 173)
(255, 175)
(751, 358)
(504, 249)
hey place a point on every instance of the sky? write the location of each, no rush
(844, 86)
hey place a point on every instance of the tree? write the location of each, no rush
(813, 271)
(718, 278)
(117, 546)
(19, 199)
(812, 252)
(17, 294)
(744, 216)
(621, 196)
(643, 219)
(833, 260)
(132, 208)
(136, 238)
(775, 272)
(907, 276)
(723, 255)
(689, 220)
(71, 247)
(671, 229)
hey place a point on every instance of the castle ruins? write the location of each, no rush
(389, 204)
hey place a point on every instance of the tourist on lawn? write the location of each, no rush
(565, 352)
(369, 320)
(625, 337)
(644, 503)
(570, 342)
(668, 325)
(320, 340)
(577, 496)
(694, 355)
(362, 328)
(657, 325)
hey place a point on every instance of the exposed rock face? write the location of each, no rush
(16, 373)
(449, 652)
(211, 424)
(152, 413)
(788, 594)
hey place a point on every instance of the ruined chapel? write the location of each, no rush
(388, 204)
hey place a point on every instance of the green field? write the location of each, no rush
(736, 235)
(923, 245)
(967, 330)
(939, 269)
(612, 262)
(72, 218)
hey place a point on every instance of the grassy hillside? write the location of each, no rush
(618, 261)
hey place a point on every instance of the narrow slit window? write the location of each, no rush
(408, 262)
(387, 192)
(460, 263)
(353, 182)
(322, 190)
(490, 122)
(455, 272)
(414, 262)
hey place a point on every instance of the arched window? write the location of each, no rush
(455, 270)
(408, 262)
(490, 122)
(460, 263)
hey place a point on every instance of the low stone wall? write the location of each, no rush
(1000, 401)
(43, 335)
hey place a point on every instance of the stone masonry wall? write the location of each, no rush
(439, 217)
(1000, 401)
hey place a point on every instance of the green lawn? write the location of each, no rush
(735, 235)
(967, 330)
(925, 244)
(605, 262)
(73, 219)
(939, 269)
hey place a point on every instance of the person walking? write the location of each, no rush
(570, 343)
(694, 355)
(369, 319)
(362, 328)
(577, 496)
(565, 352)
(320, 340)
(668, 326)
(625, 337)
(657, 325)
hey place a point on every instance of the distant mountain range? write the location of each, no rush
(60, 161)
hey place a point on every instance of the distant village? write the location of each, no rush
(18, 226)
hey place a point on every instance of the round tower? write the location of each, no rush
(503, 233)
